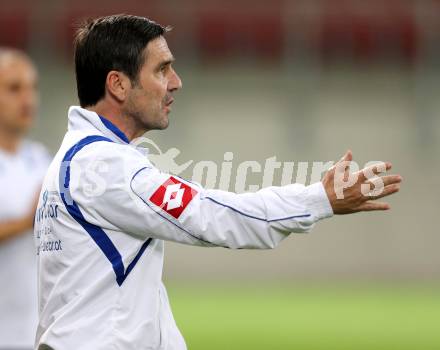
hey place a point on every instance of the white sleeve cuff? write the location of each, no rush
(317, 201)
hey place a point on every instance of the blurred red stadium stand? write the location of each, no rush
(215, 30)
(14, 26)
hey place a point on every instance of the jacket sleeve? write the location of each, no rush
(141, 200)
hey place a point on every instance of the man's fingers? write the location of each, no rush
(372, 206)
(391, 179)
(388, 190)
(373, 170)
(386, 180)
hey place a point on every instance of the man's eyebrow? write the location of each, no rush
(166, 62)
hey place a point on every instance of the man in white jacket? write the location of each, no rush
(105, 210)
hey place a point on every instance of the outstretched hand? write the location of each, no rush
(355, 192)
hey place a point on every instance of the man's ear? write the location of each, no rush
(118, 85)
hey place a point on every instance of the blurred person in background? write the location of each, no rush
(23, 164)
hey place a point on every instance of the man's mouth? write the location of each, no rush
(169, 102)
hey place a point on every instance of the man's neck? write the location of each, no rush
(9, 142)
(124, 123)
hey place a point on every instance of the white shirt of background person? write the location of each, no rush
(23, 164)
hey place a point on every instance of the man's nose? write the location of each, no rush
(175, 82)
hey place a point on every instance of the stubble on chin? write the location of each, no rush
(158, 122)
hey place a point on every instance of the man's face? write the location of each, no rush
(18, 94)
(149, 101)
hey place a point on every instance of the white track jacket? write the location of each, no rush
(103, 215)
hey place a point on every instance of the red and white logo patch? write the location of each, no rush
(173, 196)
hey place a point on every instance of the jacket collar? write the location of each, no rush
(81, 119)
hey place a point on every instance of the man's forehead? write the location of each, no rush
(158, 50)
(17, 68)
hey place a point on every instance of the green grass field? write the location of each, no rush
(314, 317)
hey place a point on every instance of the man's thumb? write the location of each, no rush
(347, 157)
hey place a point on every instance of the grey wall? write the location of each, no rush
(302, 113)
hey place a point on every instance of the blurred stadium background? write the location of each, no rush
(303, 81)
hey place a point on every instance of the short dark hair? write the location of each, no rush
(110, 43)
